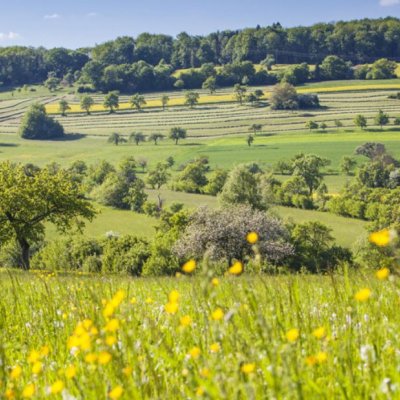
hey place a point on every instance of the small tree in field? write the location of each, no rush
(250, 140)
(323, 126)
(347, 165)
(177, 133)
(155, 137)
(29, 200)
(137, 101)
(240, 92)
(311, 125)
(360, 121)
(191, 99)
(210, 84)
(338, 123)
(116, 138)
(87, 103)
(111, 101)
(164, 101)
(255, 128)
(381, 119)
(63, 107)
(137, 137)
(158, 176)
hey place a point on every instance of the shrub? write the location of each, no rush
(36, 124)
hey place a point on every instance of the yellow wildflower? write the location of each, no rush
(321, 357)
(112, 325)
(319, 333)
(381, 238)
(149, 300)
(9, 394)
(127, 370)
(217, 314)
(111, 340)
(109, 310)
(37, 368)
(252, 237)
(292, 335)
(382, 273)
(363, 295)
(189, 266)
(199, 391)
(87, 324)
(104, 357)
(118, 298)
(33, 356)
(171, 308)
(311, 361)
(195, 352)
(57, 387)
(44, 351)
(248, 368)
(29, 391)
(70, 371)
(133, 300)
(215, 347)
(91, 358)
(173, 297)
(116, 393)
(215, 281)
(236, 269)
(186, 320)
(205, 372)
(16, 372)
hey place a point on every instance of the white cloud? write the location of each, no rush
(9, 36)
(52, 16)
(92, 14)
(388, 3)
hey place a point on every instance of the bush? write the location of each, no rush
(125, 254)
(36, 124)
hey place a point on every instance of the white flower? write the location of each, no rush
(367, 353)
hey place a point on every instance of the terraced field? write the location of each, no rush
(221, 117)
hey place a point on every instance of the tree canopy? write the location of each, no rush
(30, 198)
(36, 124)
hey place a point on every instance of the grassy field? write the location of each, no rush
(218, 131)
(91, 337)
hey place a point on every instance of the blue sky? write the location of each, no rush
(76, 23)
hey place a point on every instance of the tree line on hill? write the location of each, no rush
(147, 61)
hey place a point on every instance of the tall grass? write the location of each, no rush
(249, 337)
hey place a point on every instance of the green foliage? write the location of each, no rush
(312, 125)
(191, 98)
(382, 69)
(155, 137)
(381, 119)
(242, 187)
(87, 103)
(210, 84)
(250, 140)
(36, 124)
(125, 254)
(137, 137)
(116, 139)
(314, 248)
(335, 68)
(111, 101)
(309, 166)
(158, 176)
(193, 178)
(216, 182)
(360, 121)
(52, 83)
(284, 97)
(177, 133)
(347, 165)
(30, 200)
(137, 101)
(63, 107)
(240, 92)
